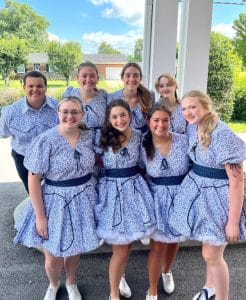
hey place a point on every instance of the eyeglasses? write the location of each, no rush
(74, 113)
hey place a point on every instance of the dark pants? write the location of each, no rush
(22, 171)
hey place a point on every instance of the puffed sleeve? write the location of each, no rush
(4, 129)
(67, 92)
(38, 155)
(229, 148)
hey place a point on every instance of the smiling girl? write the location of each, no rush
(209, 206)
(166, 162)
(166, 85)
(125, 212)
(139, 98)
(60, 218)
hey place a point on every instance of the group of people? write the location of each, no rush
(123, 167)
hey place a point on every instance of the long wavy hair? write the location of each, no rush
(111, 137)
(148, 139)
(145, 95)
(211, 119)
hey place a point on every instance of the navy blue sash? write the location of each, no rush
(170, 180)
(69, 182)
(209, 172)
(121, 173)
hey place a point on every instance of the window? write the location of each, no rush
(36, 67)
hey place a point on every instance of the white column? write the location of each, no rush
(160, 39)
(194, 45)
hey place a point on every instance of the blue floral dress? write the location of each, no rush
(138, 118)
(202, 205)
(172, 168)
(70, 210)
(125, 212)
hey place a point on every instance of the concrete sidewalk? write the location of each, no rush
(22, 274)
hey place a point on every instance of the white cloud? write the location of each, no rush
(131, 12)
(225, 29)
(99, 2)
(123, 42)
(53, 37)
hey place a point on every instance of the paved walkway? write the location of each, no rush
(22, 274)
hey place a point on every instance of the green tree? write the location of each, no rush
(13, 52)
(240, 39)
(223, 65)
(64, 58)
(20, 20)
(138, 50)
(105, 48)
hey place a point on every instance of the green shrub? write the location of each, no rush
(223, 64)
(239, 112)
(9, 95)
(55, 92)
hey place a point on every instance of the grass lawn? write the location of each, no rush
(109, 85)
(57, 87)
(238, 126)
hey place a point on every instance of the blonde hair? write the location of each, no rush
(77, 101)
(211, 119)
(171, 80)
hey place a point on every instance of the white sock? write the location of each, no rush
(211, 291)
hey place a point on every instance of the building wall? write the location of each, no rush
(102, 69)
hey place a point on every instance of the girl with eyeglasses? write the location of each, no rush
(60, 218)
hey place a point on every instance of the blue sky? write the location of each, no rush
(118, 22)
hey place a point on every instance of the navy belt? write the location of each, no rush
(121, 173)
(209, 172)
(69, 182)
(170, 180)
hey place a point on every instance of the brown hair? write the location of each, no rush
(148, 139)
(145, 96)
(35, 74)
(88, 64)
(111, 137)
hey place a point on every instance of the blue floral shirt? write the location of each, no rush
(23, 123)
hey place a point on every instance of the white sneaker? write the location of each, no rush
(51, 292)
(124, 288)
(205, 294)
(168, 282)
(149, 297)
(73, 292)
(145, 241)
